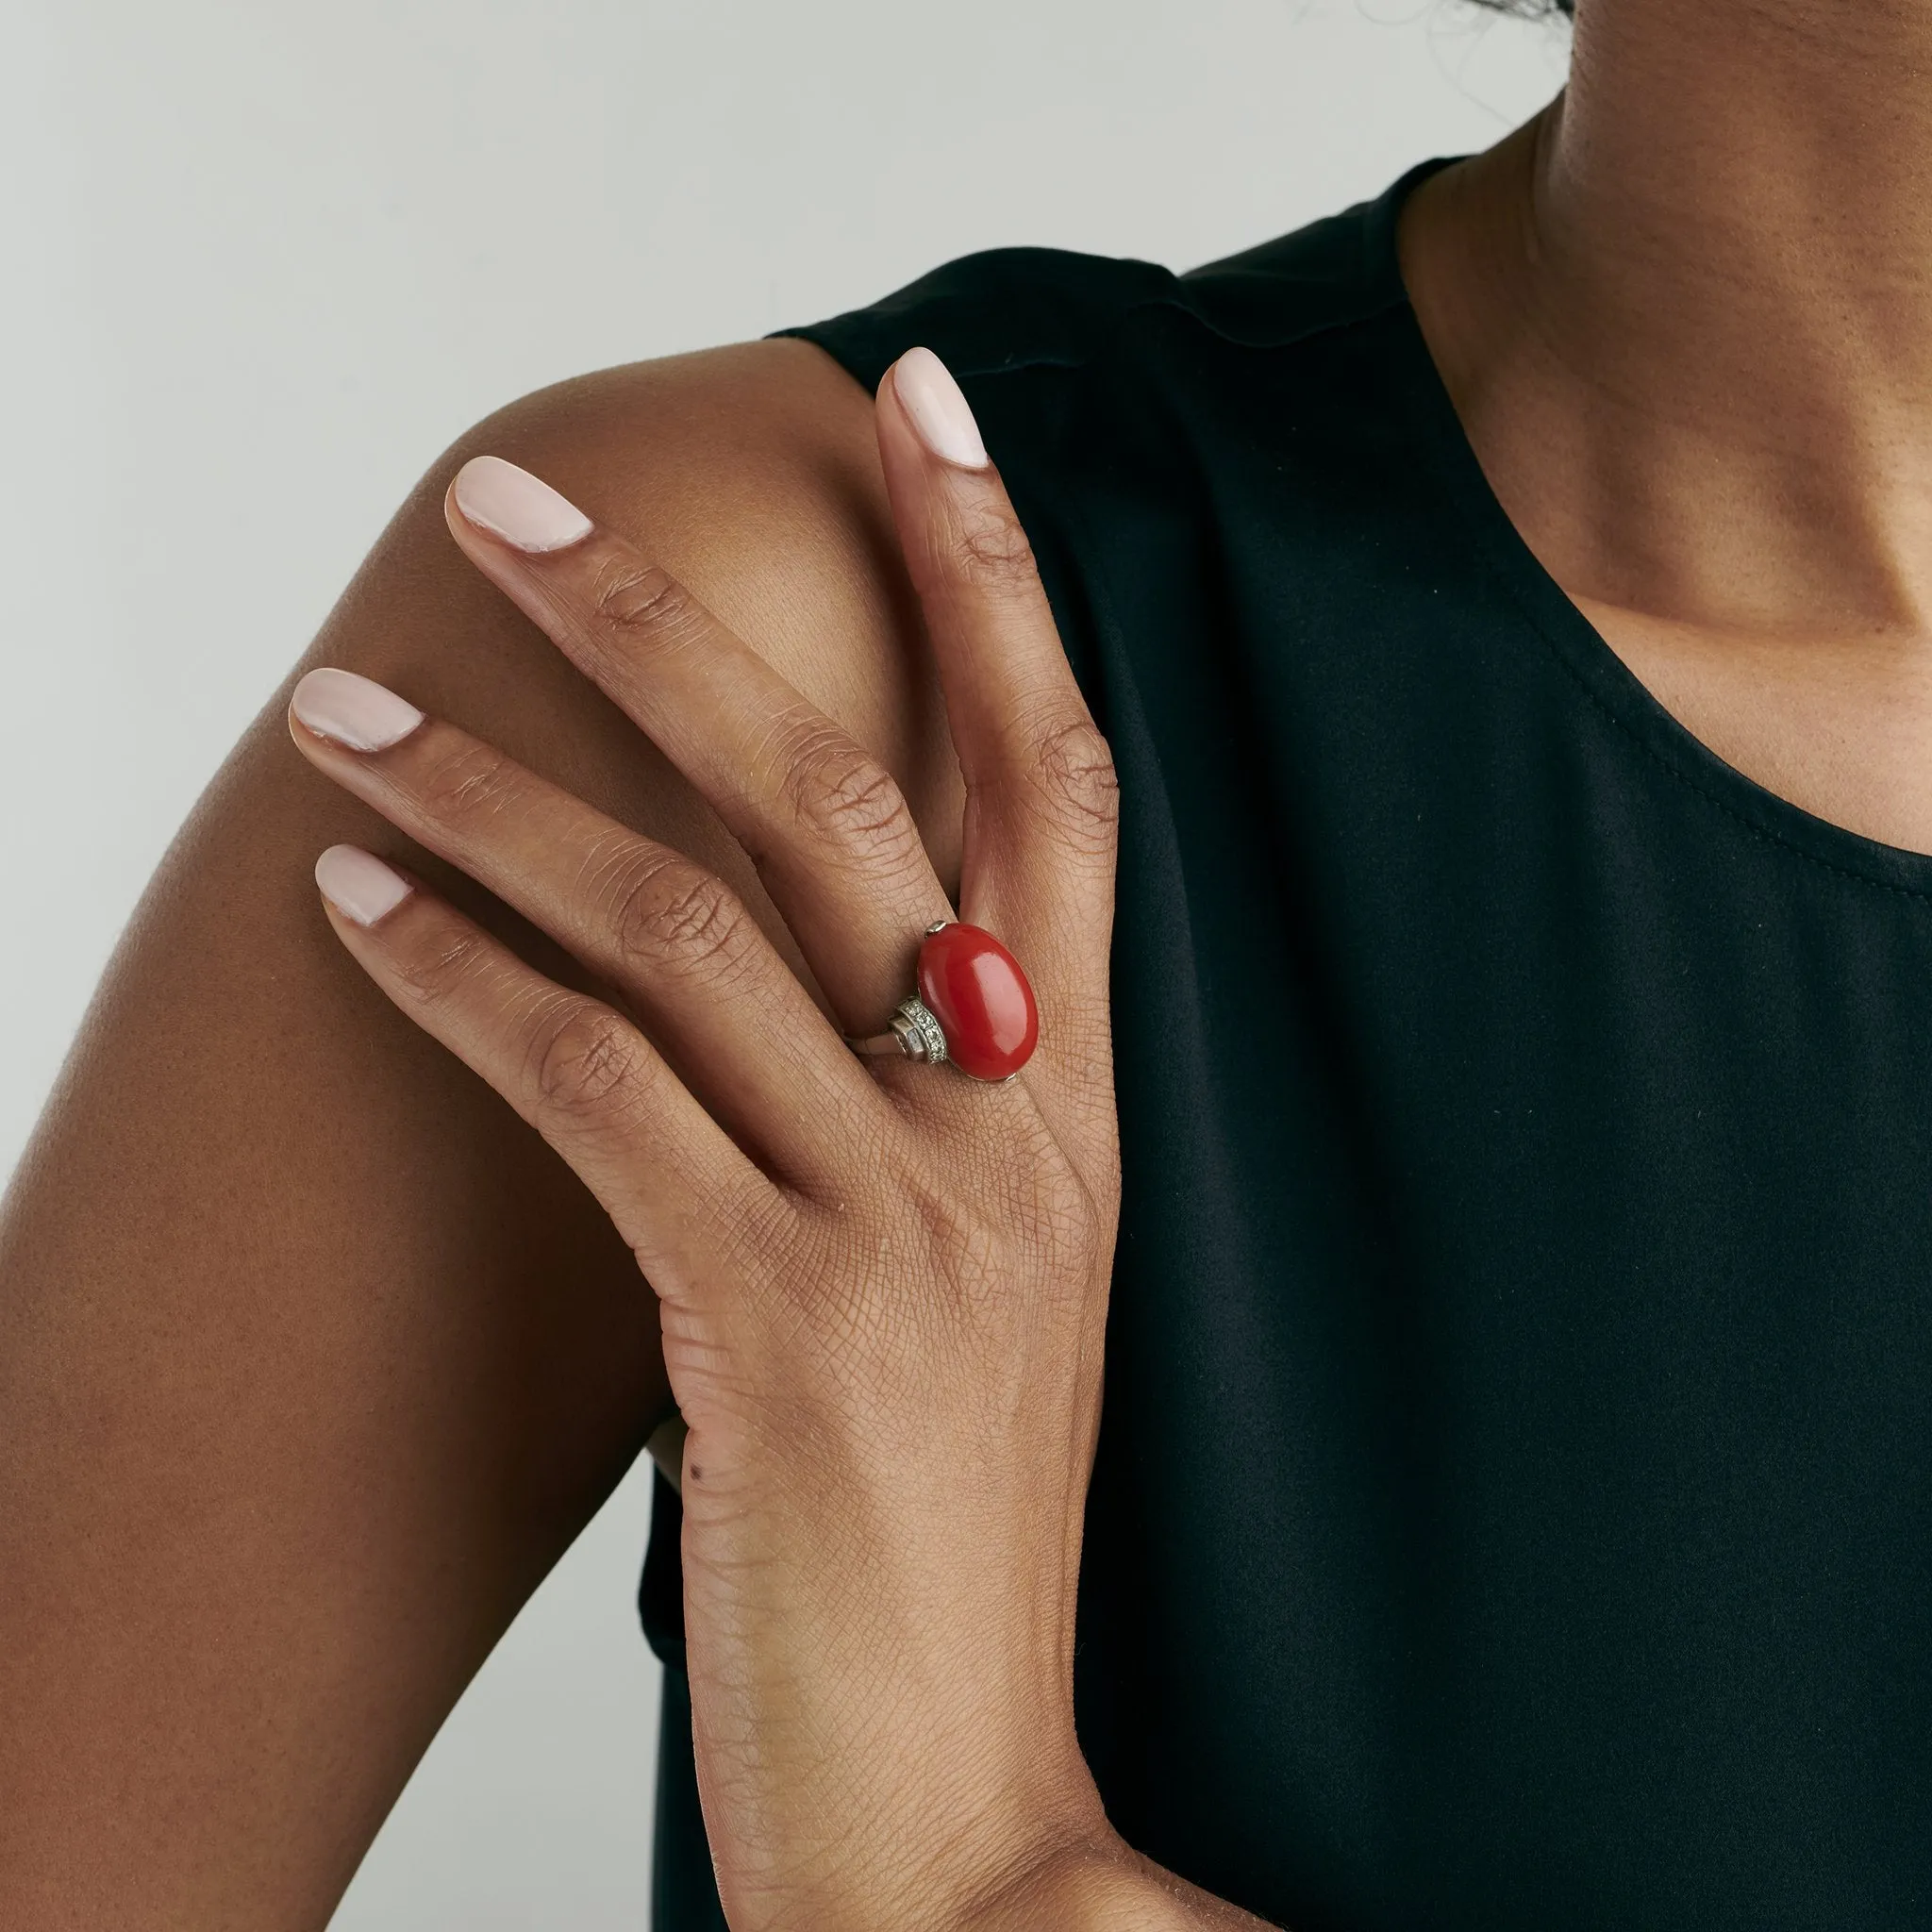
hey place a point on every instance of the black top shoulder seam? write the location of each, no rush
(979, 371)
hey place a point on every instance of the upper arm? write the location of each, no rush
(312, 1357)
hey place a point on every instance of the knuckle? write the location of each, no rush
(971, 1252)
(993, 550)
(838, 791)
(1074, 774)
(634, 597)
(471, 782)
(586, 1061)
(434, 971)
(675, 915)
(1059, 1219)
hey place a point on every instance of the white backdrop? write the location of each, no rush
(263, 260)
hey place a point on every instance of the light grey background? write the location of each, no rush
(262, 261)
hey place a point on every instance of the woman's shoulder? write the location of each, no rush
(716, 459)
(752, 463)
(750, 471)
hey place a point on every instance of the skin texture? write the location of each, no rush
(1685, 317)
(313, 1356)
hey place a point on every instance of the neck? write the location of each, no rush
(1703, 279)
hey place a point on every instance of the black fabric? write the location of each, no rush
(1515, 1490)
(683, 1891)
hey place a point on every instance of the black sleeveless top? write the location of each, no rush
(1514, 1496)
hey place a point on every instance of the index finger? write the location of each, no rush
(1042, 800)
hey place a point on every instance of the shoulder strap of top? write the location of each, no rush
(984, 314)
(1010, 309)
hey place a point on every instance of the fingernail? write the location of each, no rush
(521, 509)
(352, 710)
(358, 885)
(939, 412)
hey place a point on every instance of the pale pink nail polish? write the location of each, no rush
(358, 885)
(352, 710)
(939, 412)
(518, 507)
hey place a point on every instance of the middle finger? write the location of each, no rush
(822, 820)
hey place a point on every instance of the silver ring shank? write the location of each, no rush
(914, 1035)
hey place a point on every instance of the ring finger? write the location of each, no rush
(576, 1071)
(670, 936)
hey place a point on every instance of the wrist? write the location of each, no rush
(1035, 1853)
(944, 1852)
(1100, 1885)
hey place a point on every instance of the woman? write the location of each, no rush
(1507, 606)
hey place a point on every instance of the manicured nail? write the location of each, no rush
(521, 509)
(354, 711)
(939, 412)
(358, 885)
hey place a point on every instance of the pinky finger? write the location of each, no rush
(574, 1068)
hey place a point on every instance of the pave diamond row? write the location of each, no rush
(922, 1035)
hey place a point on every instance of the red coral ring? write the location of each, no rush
(973, 1006)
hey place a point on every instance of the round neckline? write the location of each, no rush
(1616, 690)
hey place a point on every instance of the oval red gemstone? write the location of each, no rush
(975, 989)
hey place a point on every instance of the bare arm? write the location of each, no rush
(312, 1357)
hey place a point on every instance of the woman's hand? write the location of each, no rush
(883, 1284)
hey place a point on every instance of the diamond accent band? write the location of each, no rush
(921, 1035)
